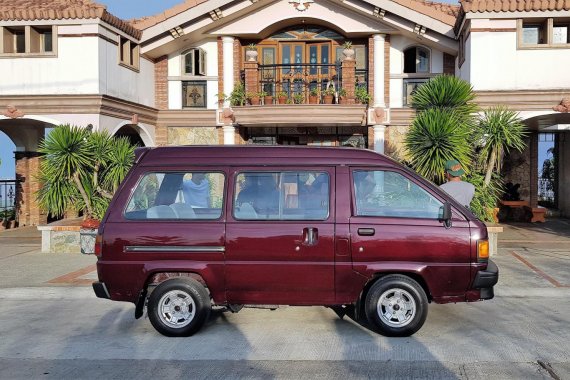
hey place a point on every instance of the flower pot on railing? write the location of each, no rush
(268, 100)
(87, 235)
(282, 100)
(328, 99)
(313, 99)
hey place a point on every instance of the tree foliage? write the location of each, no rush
(81, 170)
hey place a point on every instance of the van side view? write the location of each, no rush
(193, 228)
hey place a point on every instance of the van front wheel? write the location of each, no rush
(179, 307)
(396, 305)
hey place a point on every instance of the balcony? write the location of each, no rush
(301, 94)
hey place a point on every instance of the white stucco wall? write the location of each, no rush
(121, 82)
(73, 71)
(210, 46)
(398, 44)
(497, 64)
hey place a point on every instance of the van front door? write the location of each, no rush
(280, 237)
(395, 228)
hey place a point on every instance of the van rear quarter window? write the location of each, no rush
(180, 195)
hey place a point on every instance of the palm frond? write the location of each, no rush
(445, 91)
(435, 136)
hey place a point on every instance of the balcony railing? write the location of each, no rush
(298, 80)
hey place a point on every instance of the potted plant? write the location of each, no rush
(328, 95)
(251, 53)
(342, 96)
(298, 98)
(314, 96)
(348, 51)
(282, 97)
(267, 98)
(221, 99)
(238, 96)
(362, 96)
(253, 98)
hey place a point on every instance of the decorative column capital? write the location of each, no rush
(228, 39)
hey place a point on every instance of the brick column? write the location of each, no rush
(161, 82)
(251, 81)
(370, 65)
(27, 170)
(533, 145)
(387, 71)
(161, 135)
(349, 79)
(220, 67)
(237, 60)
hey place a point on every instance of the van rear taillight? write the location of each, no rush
(99, 245)
(483, 250)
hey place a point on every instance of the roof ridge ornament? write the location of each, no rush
(301, 5)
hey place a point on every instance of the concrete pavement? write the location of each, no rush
(52, 326)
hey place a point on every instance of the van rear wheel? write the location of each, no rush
(396, 305)
(179, 307)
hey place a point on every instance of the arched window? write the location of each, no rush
(416, 60)
(194, 62)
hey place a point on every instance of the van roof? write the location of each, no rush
(262, 155)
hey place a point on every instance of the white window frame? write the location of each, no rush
(200, 70)
(417, 47)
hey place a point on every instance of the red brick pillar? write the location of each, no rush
(251, 82)
(349, 79)
(533, 145)
(161, 135)
(161, 82)
(27, 170)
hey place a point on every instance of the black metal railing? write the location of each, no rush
(300, 80)
(546, 190)
(8, 197)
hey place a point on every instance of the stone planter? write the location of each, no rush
(251, 55)
(348, 53)
(87, 240)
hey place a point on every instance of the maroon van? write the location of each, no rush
(193, 228)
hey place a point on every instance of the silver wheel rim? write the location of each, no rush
(396, 307)
(176, 309)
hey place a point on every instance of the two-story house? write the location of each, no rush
(164, 80)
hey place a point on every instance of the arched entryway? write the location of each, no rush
(26, 134)
(136, 133)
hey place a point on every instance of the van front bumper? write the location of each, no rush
(486, 279)
(101, 290)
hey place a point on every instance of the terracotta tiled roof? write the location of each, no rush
(28, 10)
(514, 5)
(446, 13)
(147, 22)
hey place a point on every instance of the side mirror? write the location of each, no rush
(446, 217)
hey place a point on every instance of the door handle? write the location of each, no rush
(366, 231)
(310, 236)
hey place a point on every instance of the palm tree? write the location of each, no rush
(443, 127)
(500, 130)
(81, 170)
(435, 137)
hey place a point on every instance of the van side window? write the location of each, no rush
(290, 195)
(385, 193)
(192, 195)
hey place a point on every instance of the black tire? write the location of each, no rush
(179, 307)
(404, 306)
